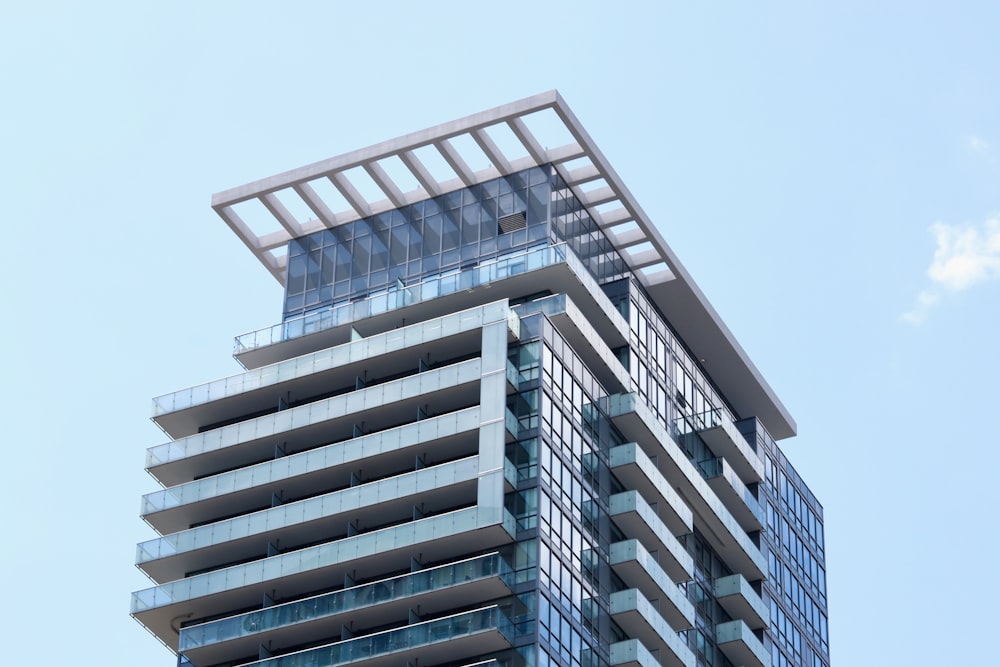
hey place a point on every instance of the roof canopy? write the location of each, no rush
(268, 213)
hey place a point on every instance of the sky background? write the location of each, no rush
(829, 174)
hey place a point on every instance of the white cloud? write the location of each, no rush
(965, 256)
(979, 145)
(925, 301)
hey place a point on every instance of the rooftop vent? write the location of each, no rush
(513, 222)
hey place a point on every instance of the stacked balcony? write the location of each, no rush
(455, 637)
(721, 435)
(741, 600)
(637, 519)
(710, 515)
(709, 496)
(301, 622)
(303, 484)
(733, 493)
(637, 617)
(639, 570)
(741, 645)
(632, 653)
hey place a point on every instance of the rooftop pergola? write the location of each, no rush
(268, 213)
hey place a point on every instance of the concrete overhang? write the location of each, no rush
(475, 140)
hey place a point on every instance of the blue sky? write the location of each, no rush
(829, 173)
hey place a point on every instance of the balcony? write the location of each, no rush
(513, 377)
(740, 645)
(328, 420)
(300, 572)
(387, 354)
(456, 637)
(741, 601)
(581, 336)
(637, 422)
(636, 471)
(329, 516)
(638, 569)
(372, 604)
(512, 426)
(633, 613)
(511, 276)
(631, 653)
(720, 434)
(308, 473)
(637, 519)
(733, 493)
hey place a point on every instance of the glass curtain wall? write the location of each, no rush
(795, 588)
(444, 234)
(447, 233)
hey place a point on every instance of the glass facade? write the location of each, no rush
(346, 601)
(476, 625)
(565, 504)
(796, 585)
(607, 485)
(443, 236)
(438, 235)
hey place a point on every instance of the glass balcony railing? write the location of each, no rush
(635, 470)
(650, 577)
(311, 559)
(711, 467)
(511, 423)
(510, 472)
(631, 652)
(413, 335)
(716, 467)
(345, 601)
(717, 429)
(301, 512)
(651, 431)
(740, 644)
(466, 625)
(703, 420)
(405, 295)
(550, 305)
(334, 408)
(311, 461)
(637, 519)
(513, 376)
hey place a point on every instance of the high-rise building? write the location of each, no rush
(498, 425)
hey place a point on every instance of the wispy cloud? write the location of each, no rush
(966, 255)
(979, 145)
(926, 300)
